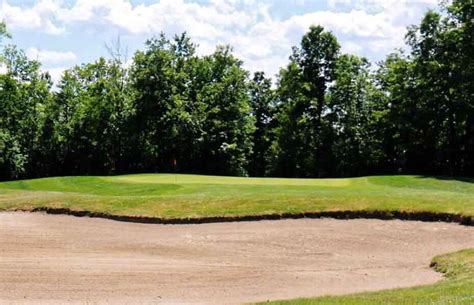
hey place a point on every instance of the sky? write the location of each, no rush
(63, 33)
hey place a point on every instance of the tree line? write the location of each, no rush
(329, 114)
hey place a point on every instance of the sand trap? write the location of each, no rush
(58, 259)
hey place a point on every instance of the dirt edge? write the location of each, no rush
(347, 214)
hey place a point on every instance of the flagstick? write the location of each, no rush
(175, 171)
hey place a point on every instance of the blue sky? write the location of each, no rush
(62, 33)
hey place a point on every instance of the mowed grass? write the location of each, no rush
(457, 288)
(184, 196)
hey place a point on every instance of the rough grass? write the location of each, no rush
(457, 288)
(184, 196)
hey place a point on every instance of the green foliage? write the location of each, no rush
(432, 94)
(227, 126)
(3, 31)
(157, 77)
(263, 103)
(301, 143)
(189, 110)
(88, 118)
(23, 92)
(349, 112)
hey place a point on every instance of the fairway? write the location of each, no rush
(169, 196)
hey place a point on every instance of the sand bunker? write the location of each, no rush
(58, 259)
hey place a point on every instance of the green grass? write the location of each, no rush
(456, 288)
(181, 196)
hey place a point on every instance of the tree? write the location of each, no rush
(23, 92)
(166, 115)
(262, 100)
(88, 118)
(348, 115)
(302, 89)
(3, 31)
(228, 125)
(435, 114)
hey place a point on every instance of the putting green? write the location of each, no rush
(200, 179)
(169, 195)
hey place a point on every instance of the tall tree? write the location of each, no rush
(302, 89)
(228, 125)
(438, 103)
(165, 102)
(23, 92)
(396, 106)
(262, 101)
(348, 116)
(88, 118)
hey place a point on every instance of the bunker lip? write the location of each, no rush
(343, 214)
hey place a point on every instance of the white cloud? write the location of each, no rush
(3, 68)
(50, 57)
(38, 17)
(56, 73)
(365, 27)
(351, 47)
(378, 4)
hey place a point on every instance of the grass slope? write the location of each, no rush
(457, 288)
(183, 196)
